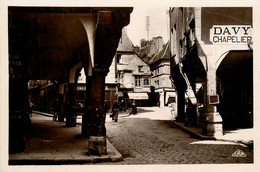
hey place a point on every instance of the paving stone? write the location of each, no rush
(153, 141)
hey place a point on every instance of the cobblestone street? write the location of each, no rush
(148, 138)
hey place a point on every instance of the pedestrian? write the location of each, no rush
(191, 114)
(123, 105)
(134, 109)
(115, 110)
(31, 105)
(106, 107)
(55, 110)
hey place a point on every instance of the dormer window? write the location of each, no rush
(140, 68)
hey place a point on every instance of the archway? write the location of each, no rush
(235, 89)
(52, 43)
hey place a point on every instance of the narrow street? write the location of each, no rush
(68, 65)
(149, 138)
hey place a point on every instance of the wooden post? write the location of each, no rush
(94, 121)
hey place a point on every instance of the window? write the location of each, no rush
(156, 83)
(118, 58)
(146, 81)
(138, 81)
(120, 77)
(157, 71)
(140, 68)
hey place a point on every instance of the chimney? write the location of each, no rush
(158, 44)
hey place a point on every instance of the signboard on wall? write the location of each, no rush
(213, 99)
(81, 87)
(231, 34)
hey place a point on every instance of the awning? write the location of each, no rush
(138, 96)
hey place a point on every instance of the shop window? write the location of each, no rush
(82, 95)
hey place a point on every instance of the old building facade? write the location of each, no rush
(160, 79)
(130, 72)
(211, 66)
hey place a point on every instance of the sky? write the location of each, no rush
(159, 19)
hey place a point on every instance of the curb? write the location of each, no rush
(43, 113)
(117, 156)
(249, 144)
(112, 156)
(203, 137)
(59, 159)
(195, 134)
(51, 115)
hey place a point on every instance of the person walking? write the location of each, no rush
(134, 108)
(31, 105)
(124, 105)
(55, 110)
(106, 107)
(115, 110)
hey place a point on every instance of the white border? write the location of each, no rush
(145, 3)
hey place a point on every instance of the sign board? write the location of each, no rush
(231, 34)
(81, 87)
(213, 99)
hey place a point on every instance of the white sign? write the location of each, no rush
(231, 34)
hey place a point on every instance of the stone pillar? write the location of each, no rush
(19, 120)
(180, 106)
(71, 116)
(61, 103)
(213, 120)
(86, 118)
(161, 99)
(95, 119)
(18, 115)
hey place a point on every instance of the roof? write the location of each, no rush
(163, 54)
(125, 44)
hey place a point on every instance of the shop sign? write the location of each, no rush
(15, 60)
(213, 99)
(81, 87)
(231, 34)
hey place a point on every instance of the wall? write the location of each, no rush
(161, 72)
(111, 76)
(128, 68)
(223, 16)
